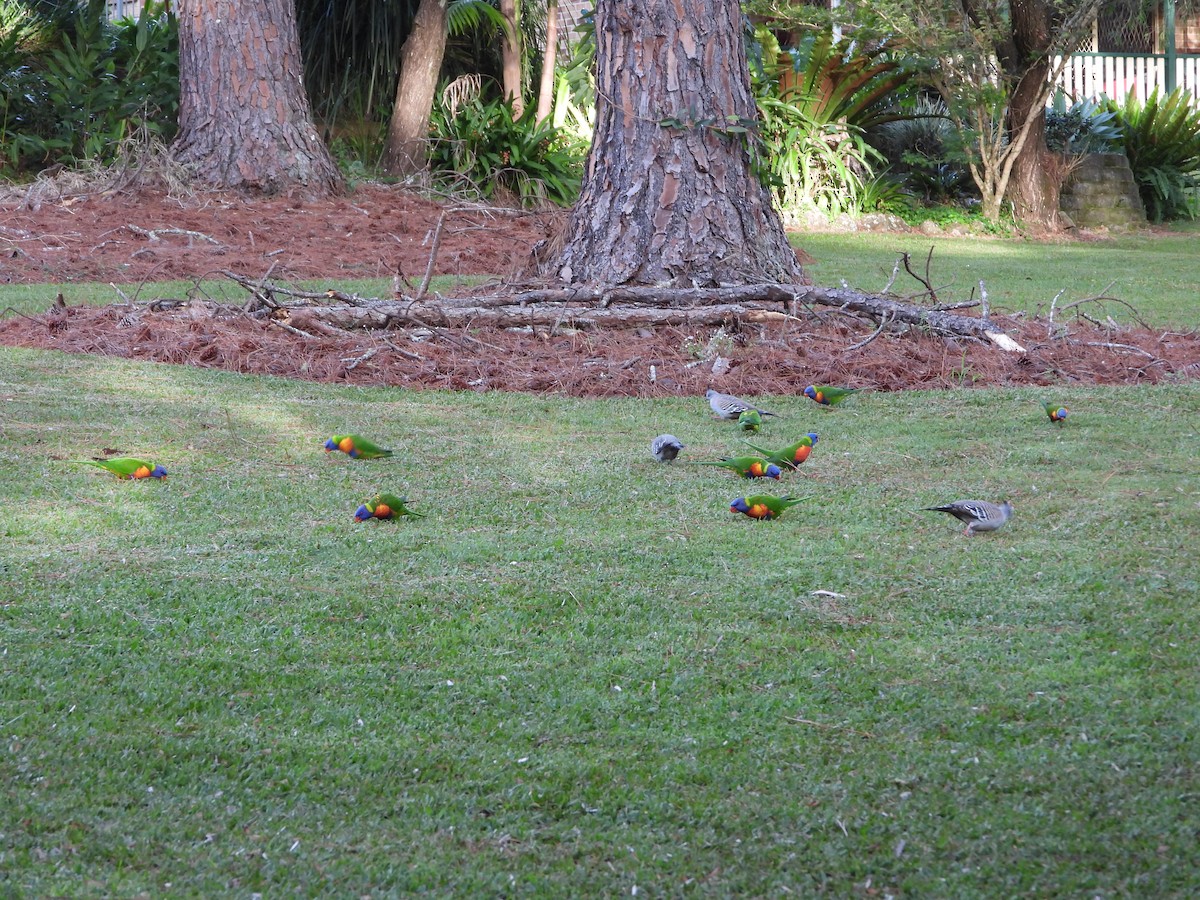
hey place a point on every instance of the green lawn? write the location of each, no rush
(1159, 275)
(582, 675)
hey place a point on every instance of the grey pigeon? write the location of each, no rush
(665, 447)
(978, 514)
(728, 406)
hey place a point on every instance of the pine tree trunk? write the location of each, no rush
(244, 117)
(407, 149)
(1035, 181)
(669, 196)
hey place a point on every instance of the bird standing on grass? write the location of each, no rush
(665, 447)
(355, 446)
(1057, 414)
(750, 421)
(385, 506)
(980, 515)
(126, 467)
(727, 406)
(747, 466)
(792, 455)
(826, 395)
(763, 506)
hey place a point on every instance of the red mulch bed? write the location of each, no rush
(381, 231)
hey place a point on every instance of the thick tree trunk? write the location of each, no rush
(1035, 182)
(407, 149)
(511, 57)
(669, 196)
(244, 118)
(545, 104)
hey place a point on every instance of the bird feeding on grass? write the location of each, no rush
(665, 447)
(727, 406)
(763, 507)
(979, 515)
(355, 446)
(126, 467)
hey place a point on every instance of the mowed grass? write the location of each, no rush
(1158, 275)
(581, 675)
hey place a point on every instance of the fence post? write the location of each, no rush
(1169, 43)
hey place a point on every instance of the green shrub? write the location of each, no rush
(1162, 140)
(87, 84)
(922, 149)
(528, 161)
(814, 106)
(1086, 126)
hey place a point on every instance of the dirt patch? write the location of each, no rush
(380, 231)
(377, 231)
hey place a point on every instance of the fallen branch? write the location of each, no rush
(155, 234)
(629, 307)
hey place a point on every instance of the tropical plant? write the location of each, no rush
(501, 157)
(87, 84)
(846, 81)
(1085, 126)
(1162, 141)
(923, 149)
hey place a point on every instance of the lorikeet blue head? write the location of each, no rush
(330, 446)
(158, 472)
(811, 393)
(773, 471)
(739, 506)
(813, 436)
(362, 514)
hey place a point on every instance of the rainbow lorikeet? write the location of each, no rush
(385, 506)
(727, 406)
(1057, 414)
(747, 466)
(763, 506)
(355, 446)
(792, 455)
(127, 467)
(980, 515)
(826, 395)
(750, 421)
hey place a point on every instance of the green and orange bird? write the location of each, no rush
(1057, 414)
(746, 466)
(126, 467)
(355, 446)
(385, 506)
(750, 421)
(826, 395)
(763, 506)
(791, 456)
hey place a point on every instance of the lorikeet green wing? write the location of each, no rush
(127, 467)
(827, 395)
(355, 446)
(792, 455)
(385, 506)
(747, 466)
(763, 506)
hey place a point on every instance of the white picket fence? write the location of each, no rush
(1090, 75)
(120, 9)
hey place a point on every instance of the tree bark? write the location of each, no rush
(244, 117)
(1035, 182)
(669, 196)
(545, 103)
(406, 151)
(511, 57)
